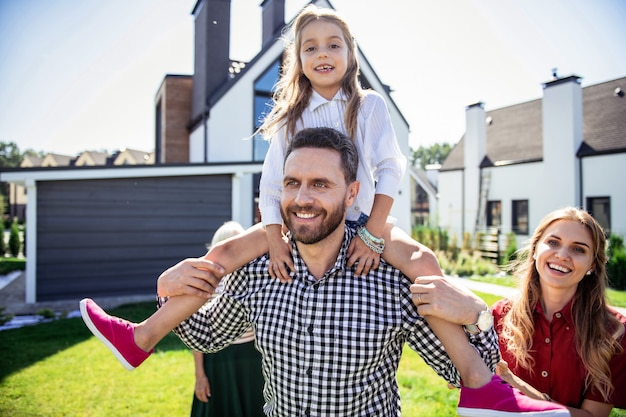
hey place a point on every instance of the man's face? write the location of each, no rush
(315, 194)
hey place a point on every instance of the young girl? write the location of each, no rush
(319, 88)
(562, 279)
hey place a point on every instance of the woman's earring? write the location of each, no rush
(535, 256)
(588, 272)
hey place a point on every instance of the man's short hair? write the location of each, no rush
(328, 138)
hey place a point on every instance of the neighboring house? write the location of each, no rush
(91, 158)
(57, 160)
(133, 157)
(424, 198)
(516, 164)
(110, 231)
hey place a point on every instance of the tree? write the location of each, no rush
(10, 156)
(434, 154)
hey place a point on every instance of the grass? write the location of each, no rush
(59, 369)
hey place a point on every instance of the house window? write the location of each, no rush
(600, 209)
(494, 213)
(263, 89)
(519, 222)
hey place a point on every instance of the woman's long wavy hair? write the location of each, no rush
(597, 331)
(293, 90)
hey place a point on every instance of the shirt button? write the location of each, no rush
(544, 374)
(332, 104)
(309, 372)
(336, 124)
(310, 329)
(558, 315)
(547, 340)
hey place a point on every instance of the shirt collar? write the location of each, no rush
(340, 263)
(317, 100)
(565, 312)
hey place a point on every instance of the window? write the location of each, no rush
(494, 213)
(600, 209)
(263, 89)
(519, 221)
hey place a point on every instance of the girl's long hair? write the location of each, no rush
(597, 330)
(293, 90)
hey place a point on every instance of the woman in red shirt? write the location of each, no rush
(559, 338)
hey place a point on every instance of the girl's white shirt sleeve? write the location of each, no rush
(271, 185)
(382, 164)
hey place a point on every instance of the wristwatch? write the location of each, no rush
(484, 323)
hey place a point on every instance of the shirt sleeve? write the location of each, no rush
(270, 186)
(424, 341)
(380, 145)
(219, 322)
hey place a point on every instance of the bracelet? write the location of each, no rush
(546, 397)
(375, 244)
(371, 237)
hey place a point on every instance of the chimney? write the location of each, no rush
(273, 19)
(562, 117)
(212, 49)
(474, 151)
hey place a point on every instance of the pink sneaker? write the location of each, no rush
(499, 399)
(117, 334)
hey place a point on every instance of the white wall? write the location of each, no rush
(451, 203)
(604, 176)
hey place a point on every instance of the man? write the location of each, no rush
(331, 342)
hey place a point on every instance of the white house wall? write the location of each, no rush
(196, 145)
(451, 203)
(604, 176)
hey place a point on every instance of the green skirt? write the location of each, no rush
(236, 382)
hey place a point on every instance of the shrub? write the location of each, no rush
(511, 248)
(14, 240)
(467, 241)
(3, 245)
(616, 265)
(10, 264)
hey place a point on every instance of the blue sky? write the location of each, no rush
(81, 75)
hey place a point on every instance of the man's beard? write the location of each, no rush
(308, 235)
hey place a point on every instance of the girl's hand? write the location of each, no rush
(362, 256)
(281, 262)
(203, 388)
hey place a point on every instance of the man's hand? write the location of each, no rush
(436, 296)
(192, 276)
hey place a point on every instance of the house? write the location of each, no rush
(108, 231)
(515, 164)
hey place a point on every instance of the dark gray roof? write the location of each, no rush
(514, 134)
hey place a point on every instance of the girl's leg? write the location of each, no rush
(133, 343)
(415, 259)
(231, 254)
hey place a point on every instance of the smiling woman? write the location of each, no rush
(560, 339)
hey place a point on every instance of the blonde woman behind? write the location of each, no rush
(229, 382)
(560, 339)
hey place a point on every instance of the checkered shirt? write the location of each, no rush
(330, 347)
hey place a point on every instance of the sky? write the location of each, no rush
(79, 75)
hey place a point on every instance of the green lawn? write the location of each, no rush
(59, 369)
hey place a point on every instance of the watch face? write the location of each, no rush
(485, 320)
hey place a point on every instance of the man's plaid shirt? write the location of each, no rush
(330, 347)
